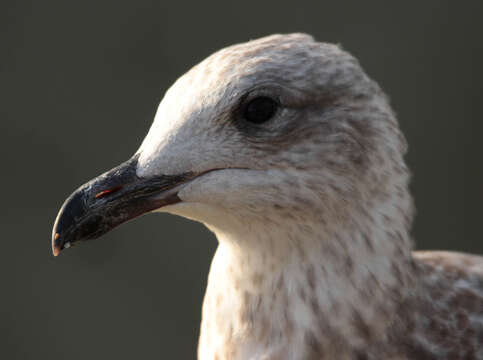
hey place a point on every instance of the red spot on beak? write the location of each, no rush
(108, 192)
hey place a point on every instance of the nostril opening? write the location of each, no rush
(108, 192)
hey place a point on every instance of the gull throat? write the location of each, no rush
(300, 277)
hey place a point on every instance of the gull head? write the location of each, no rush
(279, 130)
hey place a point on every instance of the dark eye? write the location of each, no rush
(260, 109)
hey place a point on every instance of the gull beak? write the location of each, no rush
(111, 199)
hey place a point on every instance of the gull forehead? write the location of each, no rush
(200, 99)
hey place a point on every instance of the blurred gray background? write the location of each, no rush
(80, 82)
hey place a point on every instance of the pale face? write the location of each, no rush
(306, 143)
(282, 125)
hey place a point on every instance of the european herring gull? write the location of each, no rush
(292, 156)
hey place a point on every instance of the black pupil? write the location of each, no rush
(260, 109)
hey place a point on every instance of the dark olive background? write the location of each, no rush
(79, 85)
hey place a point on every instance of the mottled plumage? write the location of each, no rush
(311, 210)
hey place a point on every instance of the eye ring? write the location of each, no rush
(260, 109)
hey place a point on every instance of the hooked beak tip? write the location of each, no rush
(55, 246)
(56, 250)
